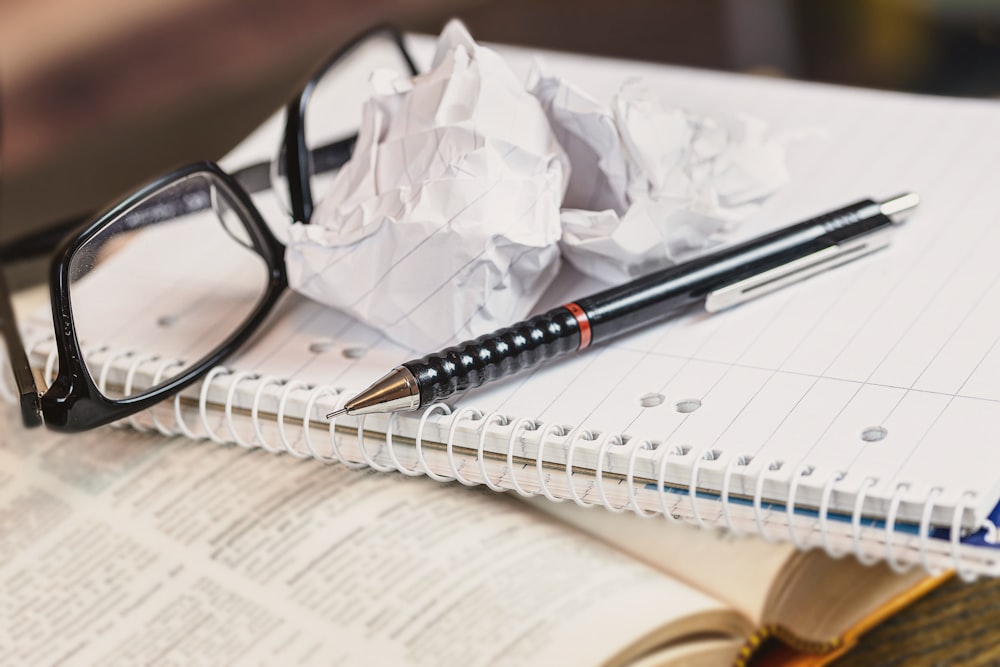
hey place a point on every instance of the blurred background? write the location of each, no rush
(99, 97)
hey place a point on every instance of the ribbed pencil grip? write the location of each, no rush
(495, 355)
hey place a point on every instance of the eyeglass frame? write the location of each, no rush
(73, 402)
(297, 154)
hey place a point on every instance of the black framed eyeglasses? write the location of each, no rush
(185, 208)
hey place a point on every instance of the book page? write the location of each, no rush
(810, 595)
(125, 548)
(741, 571)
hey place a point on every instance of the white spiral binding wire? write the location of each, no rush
(802, 470)
(924, 532)
(102, 378)
(661, 489)
(693, 490)
(234, 383)
(469, 414)
(262, 384)
(644, 446)
(501, 420)
(419, 444)
(823, 516)
(218, 371)
(525, 424)
(859, 503)
(179, 418)
(890, 531)
(743, 461)
(314, 396)
(157, 377)
(708, 455)
(130, 380)
(758, 498)
(571, 444)
(415, 471)
(896, 560)
(956, 535)
(335, 449)
(363, 448)
(610, 440)
(290, 386)
(550, 429)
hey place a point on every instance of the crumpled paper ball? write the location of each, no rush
(467, 186)
(445, 223)
(652, 183)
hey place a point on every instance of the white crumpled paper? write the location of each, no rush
(445, 223)
(653, 183)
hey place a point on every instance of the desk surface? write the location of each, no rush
(80, 96)
(956, 624)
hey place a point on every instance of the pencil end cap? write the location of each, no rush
(899, 208)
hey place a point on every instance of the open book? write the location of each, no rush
(125, 548)
(852, 412)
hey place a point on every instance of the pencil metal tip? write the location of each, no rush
(337, 413)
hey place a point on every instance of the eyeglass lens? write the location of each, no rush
(161, 277)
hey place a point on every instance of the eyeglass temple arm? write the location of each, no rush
(254, 178)
(27, 391)
(330, 157)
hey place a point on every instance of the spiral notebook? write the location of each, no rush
(854, 412)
